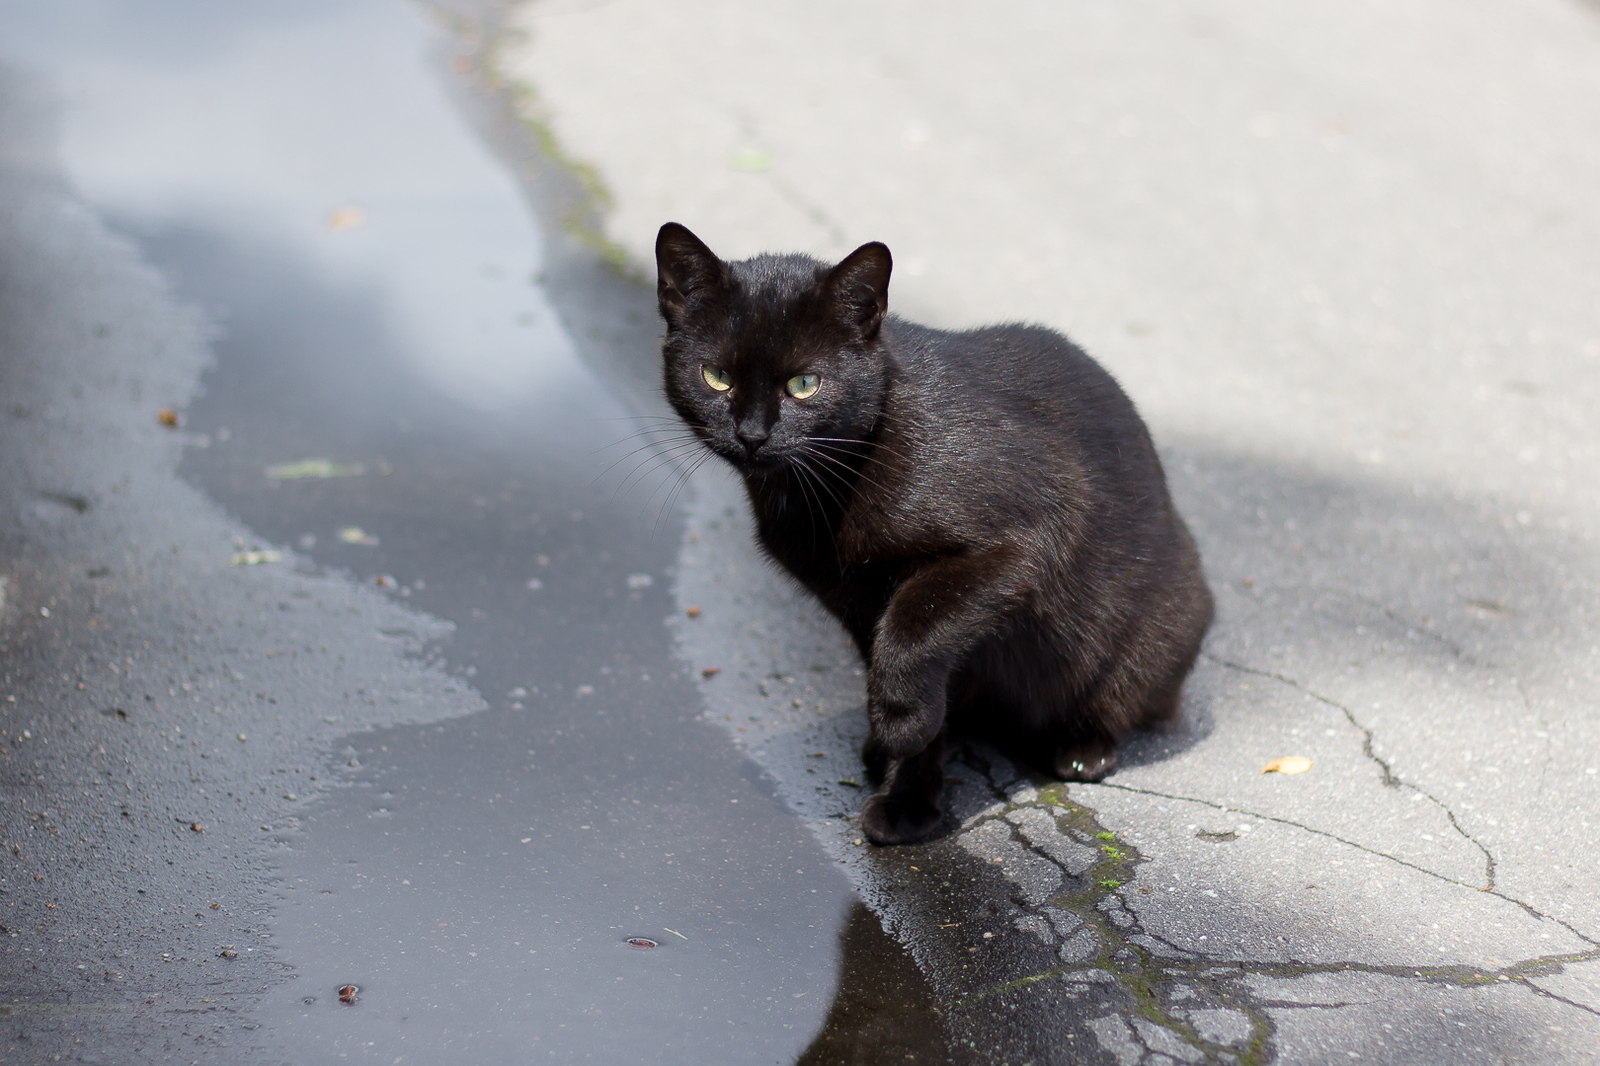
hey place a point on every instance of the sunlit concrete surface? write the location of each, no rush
(1343, 256)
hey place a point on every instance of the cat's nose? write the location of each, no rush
(752, 437)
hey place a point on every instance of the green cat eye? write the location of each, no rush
(717, 378)
(802, 386)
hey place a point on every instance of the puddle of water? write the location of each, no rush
(488, 883)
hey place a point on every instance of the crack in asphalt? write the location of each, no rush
(1142, 972)
(1547, 994)
(1315, 831)
(1390, 778)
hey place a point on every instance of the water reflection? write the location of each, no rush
(883, 1010)
(367, 270)
(321, 127)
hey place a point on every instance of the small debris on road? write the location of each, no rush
(643, 943)
(169, 418)
(1289, 764)
(693, 612)
(196, 827)
(254, 558)
(347, 993)
(711, 671)
(751, 160)
(313, 468)
(227, 952)
(357, 535)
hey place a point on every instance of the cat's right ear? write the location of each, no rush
(859, 286)
(685, 268)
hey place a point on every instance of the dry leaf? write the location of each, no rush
(346, 218)
(1289, 764)
(168, 417)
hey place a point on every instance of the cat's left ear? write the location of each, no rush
(859, 286)
(685, 269)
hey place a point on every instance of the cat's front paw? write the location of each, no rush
(899, 819)
(900, 733)
(1089, 761)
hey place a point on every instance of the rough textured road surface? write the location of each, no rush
(1343, 257)
(355, 710)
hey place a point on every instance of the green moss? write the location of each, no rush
(1143, 976)
(582, 220)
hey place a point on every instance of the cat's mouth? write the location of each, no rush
(764, 461)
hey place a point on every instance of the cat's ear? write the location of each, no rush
(859, 287)
(685, 267)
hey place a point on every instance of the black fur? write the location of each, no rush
(984, 511)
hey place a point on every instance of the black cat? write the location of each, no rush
(984, 511)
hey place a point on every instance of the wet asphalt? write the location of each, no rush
(432, 742)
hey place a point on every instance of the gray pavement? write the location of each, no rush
(1343, 257)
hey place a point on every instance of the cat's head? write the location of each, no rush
(772, 358)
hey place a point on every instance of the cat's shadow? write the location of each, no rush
(1316, 571)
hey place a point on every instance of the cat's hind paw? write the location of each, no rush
(1089, 761)
(891, 819)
